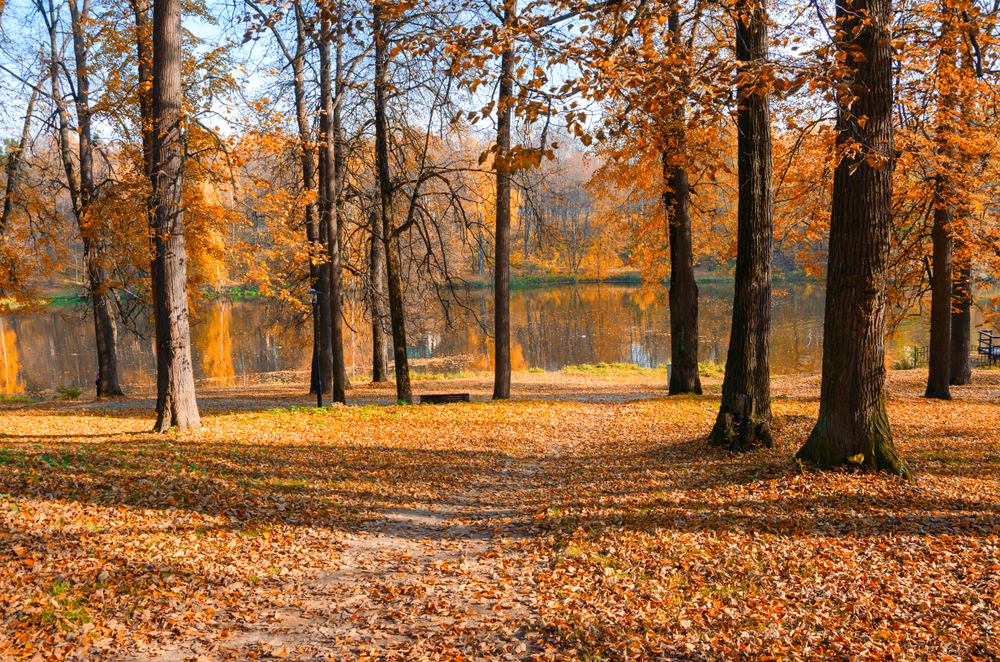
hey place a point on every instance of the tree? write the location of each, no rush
(376, 275)
(684, 376)
(501, 273)
(745, 409)
(390, 234)
(78, 168)
(853, 424)
(175, 396)
(939, 358)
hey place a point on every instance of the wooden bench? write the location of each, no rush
(989, 346)
(443, 398)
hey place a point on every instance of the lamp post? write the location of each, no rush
(314, 299)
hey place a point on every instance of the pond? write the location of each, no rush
(255, 341)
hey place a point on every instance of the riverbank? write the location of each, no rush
(582, 519)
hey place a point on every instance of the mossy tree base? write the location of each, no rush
(826, 449)
(740, 427)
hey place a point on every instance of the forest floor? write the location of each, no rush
(585, 518)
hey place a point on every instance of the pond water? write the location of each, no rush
(254, 341)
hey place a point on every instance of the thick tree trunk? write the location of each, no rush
(745, 412)
(960, 367)
(853, 423)
(335, 153)
(501, 255)
(397, 309)
(961, 320)
(939, 360)
(683, 297)
(380, 355)
(175, 403)
(327, 189)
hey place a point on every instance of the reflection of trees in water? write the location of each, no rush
(551, 328)
(9, 382)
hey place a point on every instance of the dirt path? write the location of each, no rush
(422, 582)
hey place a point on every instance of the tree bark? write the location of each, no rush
(397, 310)
(501, 255)
(327, 189)
(745, 411)
(683, 297)
(8, 262)
(144, 58)
(939, 359)
(13, 167)
(380, 356)
(105, 330)
(335, 153)
(961, 319)
(308, 163)
(176, 404)
(853, 424)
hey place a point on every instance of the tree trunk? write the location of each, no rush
(745, 412)
(308, 162)
(501, 256)
(144, 58)
(105, 330)
(683, 297)
(8, 263)
(380, 357)
(175, 403)
(13, 166)
(853, 423)
(327, 189)
(335, 153)
(397, 310)
(961, 320)
(939, 360)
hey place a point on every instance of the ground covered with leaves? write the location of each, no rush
(584, 519)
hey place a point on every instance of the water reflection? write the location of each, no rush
(236, 343)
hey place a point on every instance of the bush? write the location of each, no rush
(68, 392)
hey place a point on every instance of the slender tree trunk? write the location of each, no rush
(501, 257)
(335, 154)
(683, 298)
(308, 162)
(853, 423)
(13, 168)
(327, 190)
(745, 412)
(397, 310)
(380, 356)
(105, 330)
(144, 60)
(8, 261)
(175, 404)
(939, 360)
(144, 57)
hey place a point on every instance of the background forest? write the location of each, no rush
(316, 135)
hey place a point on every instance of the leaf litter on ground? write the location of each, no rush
(585, 519)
